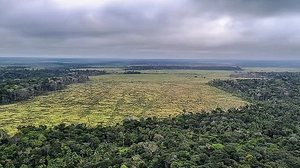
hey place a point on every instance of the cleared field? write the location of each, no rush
(108, 99)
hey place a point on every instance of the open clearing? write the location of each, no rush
(108, 99)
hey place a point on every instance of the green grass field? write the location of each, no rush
(109, 99)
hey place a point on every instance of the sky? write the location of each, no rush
(201, 29)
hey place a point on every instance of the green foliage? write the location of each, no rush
(217, 146)
(18, 84)
(279, 87)
(263, 134)
(248, 137)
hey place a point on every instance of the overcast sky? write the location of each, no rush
(226, 29)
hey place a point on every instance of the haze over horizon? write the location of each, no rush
(180, 29)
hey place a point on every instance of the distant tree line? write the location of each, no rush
(174, 67)
(264, 134)
(132, 72)
(21, 84)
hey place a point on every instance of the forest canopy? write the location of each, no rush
(263, 134)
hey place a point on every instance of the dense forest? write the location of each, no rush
(132, 72)
(262, 134)
(271, 87)
(20, 83)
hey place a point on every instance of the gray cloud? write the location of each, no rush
(143, 28)
(249, 7)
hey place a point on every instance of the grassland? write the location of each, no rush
(109, 99)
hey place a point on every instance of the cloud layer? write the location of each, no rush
(238, 29)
